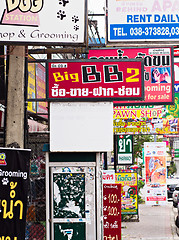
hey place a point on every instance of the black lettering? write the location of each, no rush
(112, 74)
(165, 60)
(156, 60)
(148, 61)
(90, 74)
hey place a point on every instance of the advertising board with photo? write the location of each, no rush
(158, 71)
(155, 173)
(129, 192)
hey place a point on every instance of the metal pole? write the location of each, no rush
(115, 153)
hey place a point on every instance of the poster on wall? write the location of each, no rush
(43, 22)
(95, 80)
(155, 172)
(158, 71)
(14, 181)
(129, 192)
(139, 21)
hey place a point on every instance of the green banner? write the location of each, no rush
(125, 149)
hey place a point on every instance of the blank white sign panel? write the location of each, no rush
(81, 126)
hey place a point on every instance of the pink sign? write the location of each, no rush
(17, 17)
(107, 80)
(158, 72)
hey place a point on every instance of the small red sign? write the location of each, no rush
(176, 52)
(95, 79)
(111, 211)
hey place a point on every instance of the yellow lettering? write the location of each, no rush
(11, 5)
(5, 213)
(21, 207)
(75, 77)
(13, 185)
(132, 77)
(36, 6)
(58, 77)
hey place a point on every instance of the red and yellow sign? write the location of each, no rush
(90, 79)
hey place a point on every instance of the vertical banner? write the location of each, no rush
(111, 211)
(31, 87)
(14, 177)
(2, 73)
(129, 199)
(155, 170)
(125, 149)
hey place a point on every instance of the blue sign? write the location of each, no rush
(166, 31)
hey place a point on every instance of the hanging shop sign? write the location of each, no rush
(139, 21)
(125, 149)
(129, 192)
(158, 71)
(95, 80)
(112, 211)
(155, 171)
(14, 179)
(39, 22)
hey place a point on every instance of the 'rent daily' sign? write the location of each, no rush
(154, 20)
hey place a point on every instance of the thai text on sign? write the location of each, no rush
(90, 79)
(111, 211)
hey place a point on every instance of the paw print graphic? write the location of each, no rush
(75, 19)
(76, 27)
(64, 2)
(61, 14)
(5, 181)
